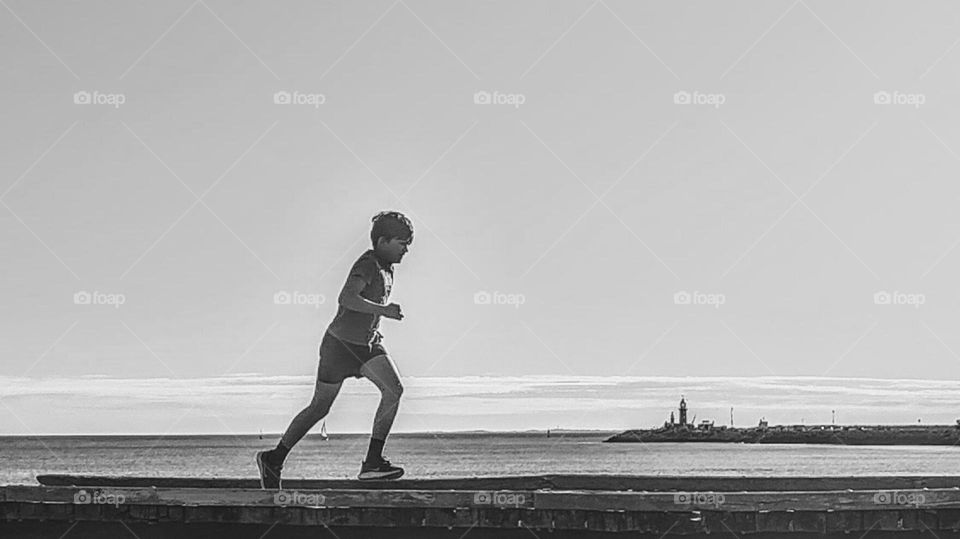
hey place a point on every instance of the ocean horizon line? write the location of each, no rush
(492, 376)
(310, 435)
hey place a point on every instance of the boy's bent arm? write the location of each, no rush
(351, 299)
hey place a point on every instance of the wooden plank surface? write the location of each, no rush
(701, 523)
(730, 502)
(677, 502)
(535, 482)
(668, 505)
(121, 496)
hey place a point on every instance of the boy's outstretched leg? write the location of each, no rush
(383, 373)
(270, 463)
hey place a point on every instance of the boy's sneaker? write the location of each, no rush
(381, 469)
(269, 471)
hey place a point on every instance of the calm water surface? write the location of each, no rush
(454, 455)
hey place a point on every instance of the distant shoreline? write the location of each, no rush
(538, 432)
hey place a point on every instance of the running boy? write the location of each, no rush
(352, 347)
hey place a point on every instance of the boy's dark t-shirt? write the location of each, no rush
(354, 326)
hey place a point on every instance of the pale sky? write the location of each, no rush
(786, 198)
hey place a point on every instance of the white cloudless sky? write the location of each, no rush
(794, 201)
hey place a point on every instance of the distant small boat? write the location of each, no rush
(261, 434)
(323, 432)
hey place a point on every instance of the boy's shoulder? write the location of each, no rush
(366, 264)
(368, 258)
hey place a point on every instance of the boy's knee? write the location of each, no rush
(393, 390)
(318, 410)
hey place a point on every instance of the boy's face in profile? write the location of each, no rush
(392, 250)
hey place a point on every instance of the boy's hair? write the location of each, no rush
(390, 225)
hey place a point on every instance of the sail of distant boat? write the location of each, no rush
(323, 431)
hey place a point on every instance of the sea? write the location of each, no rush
(445, 455)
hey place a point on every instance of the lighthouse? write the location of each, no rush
(683, 411)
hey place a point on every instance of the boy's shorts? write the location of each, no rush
(341, 359)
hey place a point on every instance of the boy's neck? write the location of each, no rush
(380, 259)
